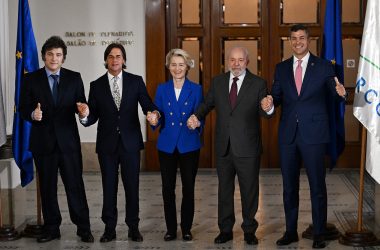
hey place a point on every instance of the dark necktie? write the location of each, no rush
(55, 88)
(233, 92)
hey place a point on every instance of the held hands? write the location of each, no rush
(267, 103)
(37, 113)
(339, 88)
(83, 110)
(152, 118)
(193, 122)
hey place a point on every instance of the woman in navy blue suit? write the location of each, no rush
(177, 145)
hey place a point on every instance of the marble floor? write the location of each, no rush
(342, 188)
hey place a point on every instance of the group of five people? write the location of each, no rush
(52, 95)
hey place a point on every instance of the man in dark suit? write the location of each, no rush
(48, 100)
(236, 97)
(301, 86)
(113, 102)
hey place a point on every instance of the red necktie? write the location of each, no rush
(233, 92)
(298, 76)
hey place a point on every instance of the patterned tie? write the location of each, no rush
(116, 92)
(233, 92)
(54, 90)
(298, 76)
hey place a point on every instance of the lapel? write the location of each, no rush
(124, 97)
(169, 91)
(63, 86)
(246, 84)
(291, 76)
(308, 73)
(224, 88)
(46, 87)
(106, 90)
(185, 93)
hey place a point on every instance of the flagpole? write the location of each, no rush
(360, 237)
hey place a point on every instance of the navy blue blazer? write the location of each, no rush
(112, 122)
(174, 132)
(309, 110)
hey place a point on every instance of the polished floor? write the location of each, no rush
(342, 188)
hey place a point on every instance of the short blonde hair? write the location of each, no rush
(181, 53)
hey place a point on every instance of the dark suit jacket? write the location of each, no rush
(113, 122)
(58, 123)
(309, 108)
(240, 126)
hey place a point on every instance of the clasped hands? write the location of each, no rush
(83, 110)
(152, 117)
(193, 122)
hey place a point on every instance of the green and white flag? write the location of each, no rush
(367, 91)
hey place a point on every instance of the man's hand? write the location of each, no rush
(267, 103)
(193, 122)
(152, 118)
(37, 113)
(83, 110)
(340, 88)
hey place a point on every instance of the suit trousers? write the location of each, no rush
(188, 165)
(247, 170)
(312, 155)
(70, 168)
(129, 163)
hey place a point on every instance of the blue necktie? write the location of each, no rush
(55, 88)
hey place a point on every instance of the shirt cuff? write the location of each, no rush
(83, 120)
(270, 111)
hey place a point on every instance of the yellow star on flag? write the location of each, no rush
(333, 61)
(19, 54)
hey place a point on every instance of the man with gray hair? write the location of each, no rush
(236, 97)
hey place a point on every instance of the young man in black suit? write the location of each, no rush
(49, 98)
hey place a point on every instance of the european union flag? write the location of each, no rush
(26, 61)
(332, 51)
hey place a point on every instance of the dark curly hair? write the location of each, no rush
(54, 42)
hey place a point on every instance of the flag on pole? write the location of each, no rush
(26, 61)
(332, 51)
(367, 91)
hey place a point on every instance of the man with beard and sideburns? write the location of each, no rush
(236, 97)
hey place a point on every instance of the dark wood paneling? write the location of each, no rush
(155, 67)
(211, 33)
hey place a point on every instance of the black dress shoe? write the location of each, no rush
(169, 236)
(46, 237)
(86, 236)
(135, 235)
(319, 244)
(187, 236)
(223, 237)
(107, 237)
(287, 239)
(250, 238)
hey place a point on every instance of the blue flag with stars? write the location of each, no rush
(332, 50)
(26, 61)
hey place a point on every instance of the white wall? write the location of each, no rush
(56, 17)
